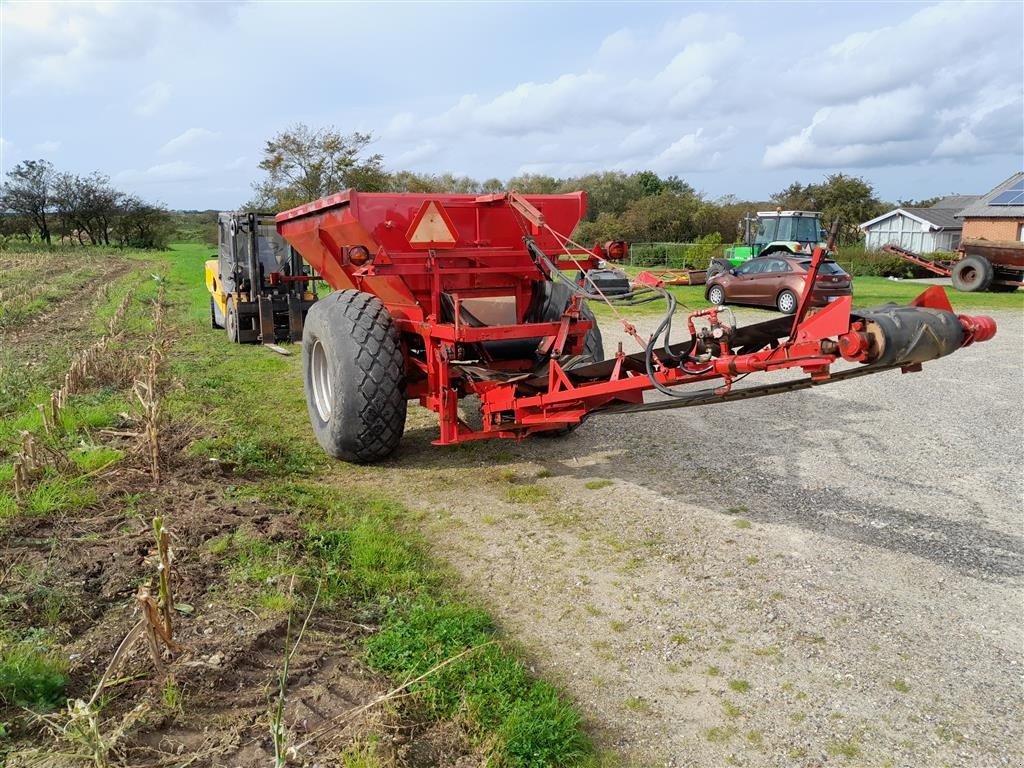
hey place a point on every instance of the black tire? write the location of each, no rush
(550, 305)
(716, 295)
(786, 302)
(231, 321)
(972, 274)
(716, 267)
(353, 369)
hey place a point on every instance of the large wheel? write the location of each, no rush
(354, 374)
(972, 274)
(717, 267)
(716, 295)
(231, 321)
(786, 302)
(550, 305)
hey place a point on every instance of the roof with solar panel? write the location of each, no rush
(1004, 202)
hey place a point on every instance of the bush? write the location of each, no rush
(861, 263)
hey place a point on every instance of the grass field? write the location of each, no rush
(283, 561)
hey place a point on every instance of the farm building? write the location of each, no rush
(923, 230)
(998, 215)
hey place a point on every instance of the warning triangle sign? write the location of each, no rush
(431, 227)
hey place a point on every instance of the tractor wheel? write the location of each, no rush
(787, 302)
(354, 374)
(717, 267)
(550, 306)
(972, 274)
(716, 295)
(231, 321)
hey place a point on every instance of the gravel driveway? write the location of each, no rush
(827, 577)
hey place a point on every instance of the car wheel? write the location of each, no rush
(716, 295)
(786, 302)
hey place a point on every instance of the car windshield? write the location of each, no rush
(826, 268)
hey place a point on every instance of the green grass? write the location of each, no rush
(848, 749)
(740, 686)
(524, 494)
(31, 674)
(596, 485)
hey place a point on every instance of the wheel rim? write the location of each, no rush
(232, 322)
(717, 295)
(321, 379)
(969, 275)
(786, 302)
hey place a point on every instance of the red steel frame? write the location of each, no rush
(486, 258)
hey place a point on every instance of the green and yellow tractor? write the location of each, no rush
(784, 232)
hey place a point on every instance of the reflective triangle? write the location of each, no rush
(432, 227)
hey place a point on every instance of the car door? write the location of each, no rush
(769, 283)
(743, 285)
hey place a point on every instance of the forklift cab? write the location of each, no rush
(260, 288)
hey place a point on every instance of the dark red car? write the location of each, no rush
(777, 281)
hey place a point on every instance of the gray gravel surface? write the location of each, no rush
(827, 577)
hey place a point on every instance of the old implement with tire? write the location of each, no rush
(983, 265)
(442, 298)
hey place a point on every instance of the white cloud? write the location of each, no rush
(178, 170)
(425, 150)
(693, 152)
(46, 147)
(187, 139)
(904, 93)
(235, 165)
(64, 45)
(152, 99)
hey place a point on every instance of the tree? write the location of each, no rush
(850, 199)
(86, 205)
(142, 225)
(534, 184)
(28, 193)
(303, 164)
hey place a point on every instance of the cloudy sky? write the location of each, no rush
(174, 101)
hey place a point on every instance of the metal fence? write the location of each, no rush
(674, 255)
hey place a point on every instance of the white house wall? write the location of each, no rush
(910, 234)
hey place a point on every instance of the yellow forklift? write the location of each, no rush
(260, 289)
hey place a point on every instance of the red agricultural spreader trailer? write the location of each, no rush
(443, 297)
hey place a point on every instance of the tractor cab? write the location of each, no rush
(778, 231)
(793, 231)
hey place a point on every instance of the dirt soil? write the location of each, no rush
(78, 577)
(827, 577)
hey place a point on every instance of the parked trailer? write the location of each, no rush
(981, 265)
(442, 297)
